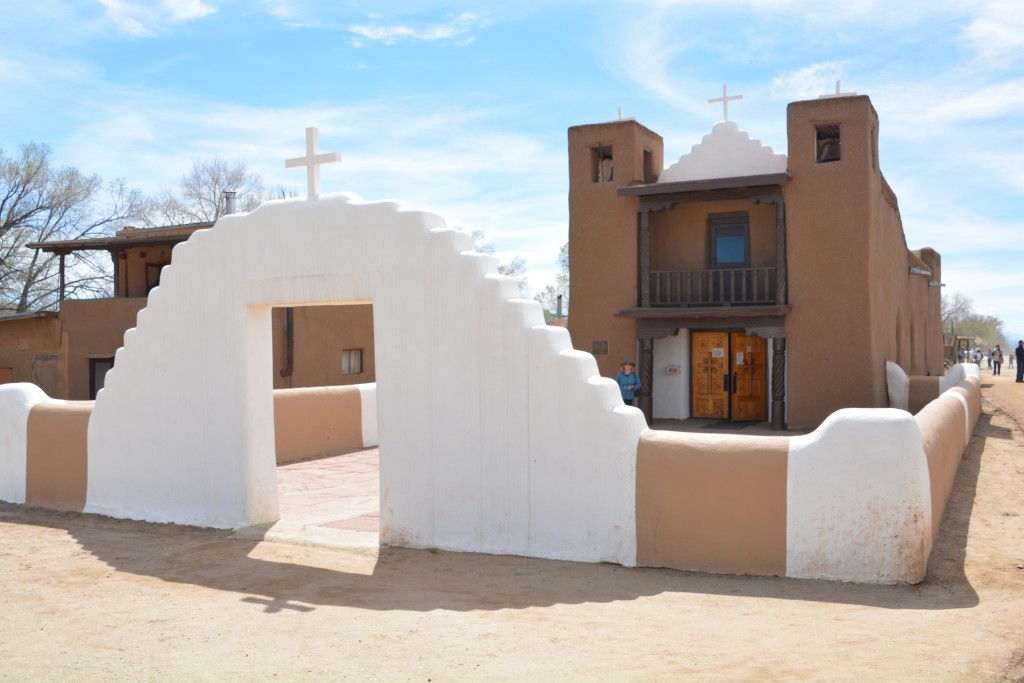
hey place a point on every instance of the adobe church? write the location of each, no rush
(749, 285)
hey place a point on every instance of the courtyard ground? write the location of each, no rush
(85, 598)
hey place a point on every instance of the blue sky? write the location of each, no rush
(462, 107)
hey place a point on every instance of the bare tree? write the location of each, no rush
(515, 269)
(549, 297)
(959, 319)
(199, 196)
(40, 203)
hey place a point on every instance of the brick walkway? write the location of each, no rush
(340, 492)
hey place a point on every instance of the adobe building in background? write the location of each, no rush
(68, 352)
(749, 285)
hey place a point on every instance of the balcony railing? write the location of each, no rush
(723, 287)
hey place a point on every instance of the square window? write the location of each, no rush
(730, 240)
(352, 362)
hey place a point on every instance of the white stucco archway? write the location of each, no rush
(495, 435)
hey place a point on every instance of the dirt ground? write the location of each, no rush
(84, 598)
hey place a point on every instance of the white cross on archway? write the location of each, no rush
(312, 162)
(724, 99)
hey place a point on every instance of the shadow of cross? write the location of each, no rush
(272, 605)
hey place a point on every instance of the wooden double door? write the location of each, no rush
(729, 376)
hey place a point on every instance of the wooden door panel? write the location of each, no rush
(710, 364)
(749, 401)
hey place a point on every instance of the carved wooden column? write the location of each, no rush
(781, 271)
(779, 383)
(643, 397)
(645, 260)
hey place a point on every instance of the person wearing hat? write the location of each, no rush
(629, 382)
(1019, 352)
(997, 359)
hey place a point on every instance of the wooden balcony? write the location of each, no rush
(720, 287)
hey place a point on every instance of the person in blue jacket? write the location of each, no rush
(629, 382)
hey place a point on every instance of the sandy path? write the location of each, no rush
(91, 599)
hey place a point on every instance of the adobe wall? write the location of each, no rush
(132, 271)
(319, 421)
(826, 214)
(94, 329)
(44, 443)
(859, 499)
(603, 232)
(320, 334)
(946, 425)
(712, 503)
(56, 454)
(855, 303)
(32, 348)
(680, 240)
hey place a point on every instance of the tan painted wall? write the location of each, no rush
(831, 357)
(603, 232)
(132, 272)
(308, 423)
(321, 334)
(855, 305)
(57, 459)
(946, 428)
(94, 329)
(679, 236)
(923, 390)
(316, 422)
(32, 348)
(713, 504)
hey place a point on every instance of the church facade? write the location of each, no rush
(749, 285)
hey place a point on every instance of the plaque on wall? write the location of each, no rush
(600, 348)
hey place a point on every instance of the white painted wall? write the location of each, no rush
(368, 404)
(671, 393)
(16, 401)
(495, 435)
(859, 499)
(725, 152)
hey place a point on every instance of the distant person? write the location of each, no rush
(629, 382)
(988, 359)
(977, 357)
(997, 359)
(1010, 359)
(1019, 353)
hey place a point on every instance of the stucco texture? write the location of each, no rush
(495, 435)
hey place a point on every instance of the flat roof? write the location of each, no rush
(123, 240)
(681, 187)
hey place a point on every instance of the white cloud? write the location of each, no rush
(186, 10)
(144, 20)
(126, 17)
(392, 33)
(282, 9)
(996, 34)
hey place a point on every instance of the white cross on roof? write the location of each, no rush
(837, 93)
(724, 99)
(312, 162)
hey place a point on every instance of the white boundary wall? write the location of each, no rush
(16, 401)
(495, 435)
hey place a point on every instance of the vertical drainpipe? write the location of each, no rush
(289, 346)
